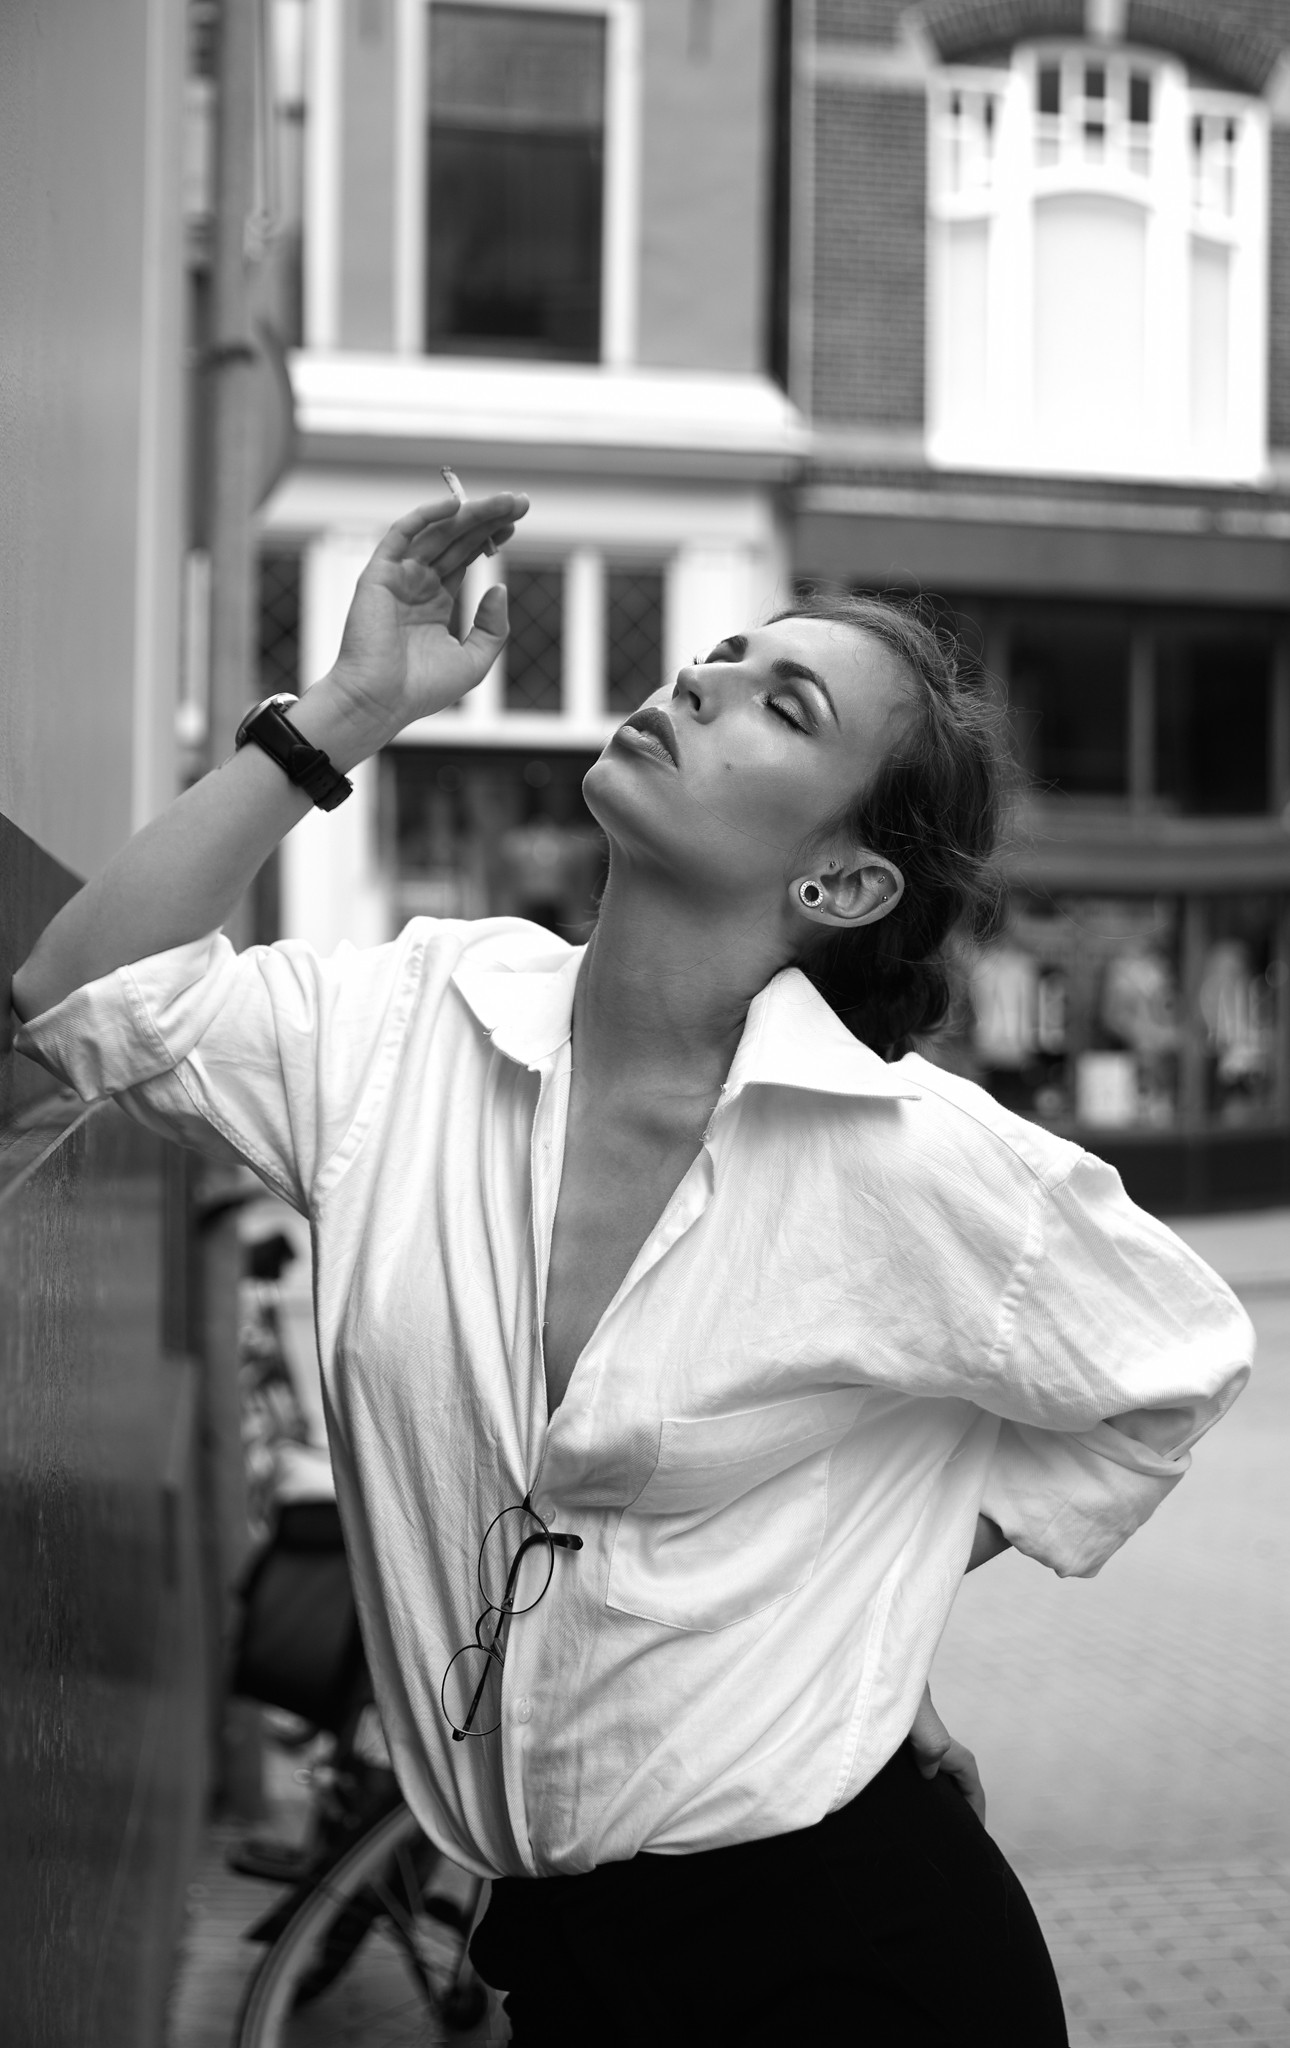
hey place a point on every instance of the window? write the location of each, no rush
(534, 654)
(1213, 722)
(1097, 289)
(634, 637)
(278, 650)
(515, 181)
(1172, 712)
(1069, 694)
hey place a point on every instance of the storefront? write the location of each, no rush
(1138, 999)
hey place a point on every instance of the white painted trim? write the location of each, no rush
(620, 260)
(450, 399)
(323, 172)
(629, 520)
(538, 730)
(583, 680)
(411, 33)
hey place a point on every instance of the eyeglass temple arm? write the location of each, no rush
(561, 1542)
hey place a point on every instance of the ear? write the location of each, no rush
(846, 895)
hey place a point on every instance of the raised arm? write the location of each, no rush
(180, 877)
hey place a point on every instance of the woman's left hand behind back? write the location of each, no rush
(937, 1753)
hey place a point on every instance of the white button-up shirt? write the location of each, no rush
(876, 1304)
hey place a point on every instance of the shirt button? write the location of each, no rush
(545, 1512)
(524, 1709)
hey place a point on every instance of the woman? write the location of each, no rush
(680, 1341)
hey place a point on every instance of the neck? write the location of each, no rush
(666, 985)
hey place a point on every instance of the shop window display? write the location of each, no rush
(1133, 1013)
(492, 834)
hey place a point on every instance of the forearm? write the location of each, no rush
(182, 874)
(987, 1542)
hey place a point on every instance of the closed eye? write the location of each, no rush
(780, 707)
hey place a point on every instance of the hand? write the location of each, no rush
(936, 1751)
(398, 660)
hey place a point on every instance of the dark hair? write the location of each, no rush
(935, 807)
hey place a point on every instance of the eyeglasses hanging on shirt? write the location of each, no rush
(471, 1693)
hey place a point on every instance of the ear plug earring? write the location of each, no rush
(810, 895)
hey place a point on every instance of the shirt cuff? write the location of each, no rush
(1071, 1501)
(134, 1024)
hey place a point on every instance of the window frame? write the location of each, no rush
(620, 230)
(1006, 436)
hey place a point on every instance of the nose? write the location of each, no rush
(699, 687)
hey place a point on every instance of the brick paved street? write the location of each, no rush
(1129, 1732)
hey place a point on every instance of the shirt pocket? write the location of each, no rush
(732, 1517)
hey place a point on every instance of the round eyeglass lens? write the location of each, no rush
(472, 1691)
(516, 1559)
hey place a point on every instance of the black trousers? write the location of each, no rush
(894, 1923)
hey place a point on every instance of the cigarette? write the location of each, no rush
(453, 482)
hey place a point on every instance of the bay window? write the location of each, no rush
(1097, 269)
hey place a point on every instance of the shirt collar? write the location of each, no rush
(792, 1039)
(522, 992)
(523, 996)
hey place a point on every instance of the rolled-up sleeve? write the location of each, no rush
(1135, 1347)
(266, 1055)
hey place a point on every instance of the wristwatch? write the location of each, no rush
(308, 767)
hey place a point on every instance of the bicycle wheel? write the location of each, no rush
(361, 1958)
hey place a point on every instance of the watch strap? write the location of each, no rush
(305, 765)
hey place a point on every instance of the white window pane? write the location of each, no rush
(961, 335)
(1089, 326)
(1210, 321)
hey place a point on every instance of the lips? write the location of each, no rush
(657, 727)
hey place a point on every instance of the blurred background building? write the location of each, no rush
(986, 300)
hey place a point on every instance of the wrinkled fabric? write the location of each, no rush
(876, 1305)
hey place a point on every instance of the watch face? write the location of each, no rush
(278, 702)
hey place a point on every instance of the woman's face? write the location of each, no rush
(723, 780)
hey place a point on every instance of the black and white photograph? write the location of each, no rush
(645, 1080)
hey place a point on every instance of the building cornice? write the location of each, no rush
(560, 415)
(984, 507)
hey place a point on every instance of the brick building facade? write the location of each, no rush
(982, 299)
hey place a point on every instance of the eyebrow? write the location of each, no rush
(786, 670)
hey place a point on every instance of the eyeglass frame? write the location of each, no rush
(504, 1611)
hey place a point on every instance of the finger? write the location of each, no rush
(488, 633)
(452, 578)
(960, 1766)
(477, 516)
(394, 544)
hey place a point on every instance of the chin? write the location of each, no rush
(626, 805)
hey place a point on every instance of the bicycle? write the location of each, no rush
(369, 1918)
(366, 1933)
